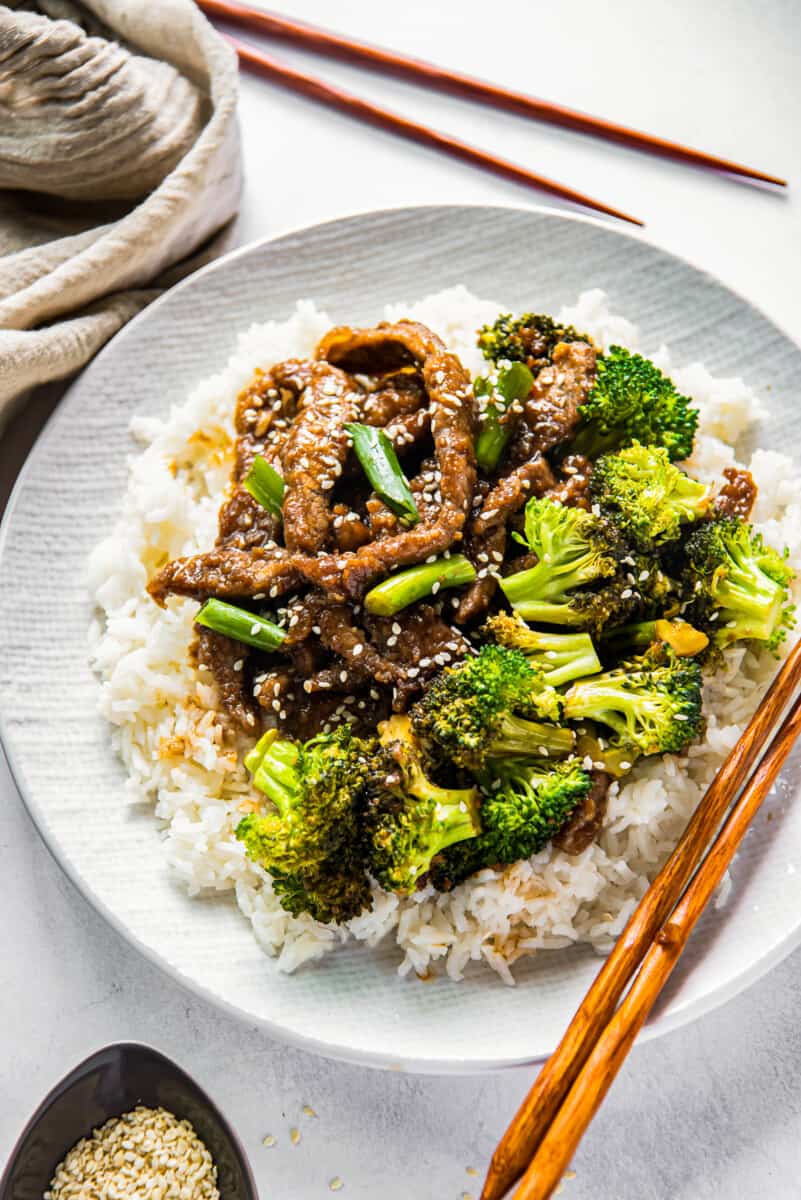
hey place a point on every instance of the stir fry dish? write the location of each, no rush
(446, 611)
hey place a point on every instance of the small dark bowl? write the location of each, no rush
(109, 1083)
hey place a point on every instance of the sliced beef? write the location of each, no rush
(380, 349)
(572, 489)
(586, 821)
(313, 455)
(551, 411)
(226, 661)
(737, 495)
(453, 428)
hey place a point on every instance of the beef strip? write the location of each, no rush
(487, 532)
(420, 643)
(573, 488)
(314, 453)
(399, 394)
(408, 429)
(383, 522)
(348, 528)
(552, 408)
(736, 497)
(226, 661)
(228, 572)
(339, 634)
(475, 601)
(380, 349)
(584, 824)
(511, 492)
(453, 427)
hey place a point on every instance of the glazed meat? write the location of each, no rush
(736, 497)
(551, 412)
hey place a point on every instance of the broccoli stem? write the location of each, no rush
(538, 594)
(529, 593)
(277, 775)
(530, 739)
(265, 485)
(380, 464)
(240, 625)
(404, 588)
(753, 601)
(569, 656)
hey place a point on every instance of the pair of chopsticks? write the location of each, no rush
(374, 57)
(542, 1138)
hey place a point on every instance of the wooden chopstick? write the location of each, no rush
(519, 1144)
(587, 1093)
(355, 106)
(322, 41)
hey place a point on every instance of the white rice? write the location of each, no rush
(171, 739)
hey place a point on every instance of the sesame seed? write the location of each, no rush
(308, 1111)
(239, 664)
(294, 1135)
(626, 593)
(336, 1184)
(269, 1140)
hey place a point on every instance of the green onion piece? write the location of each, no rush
(413, 584)
(513, 383)
(265, 485)
(241, 625)
(380, 464)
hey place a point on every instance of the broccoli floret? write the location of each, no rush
(471, 712)
(524, 804)
(581, 578)
(409, 819)
(529, 339)
(646, 496)
(737, 587)
(561, 657)
(631, 400)
(312, 843)
(652, 702)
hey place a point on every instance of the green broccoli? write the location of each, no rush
(737, 587)
(575, 549)
(652, 702)
(470, 712)
(409, 820)
(631, 400)
(646, 496)
(529, 339)
(561, 657)
(312, 844)
(524, 804)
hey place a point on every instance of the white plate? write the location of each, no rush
(352, 1004)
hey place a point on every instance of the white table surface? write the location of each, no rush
(713, 1110)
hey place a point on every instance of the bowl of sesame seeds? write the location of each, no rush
(127, 1123)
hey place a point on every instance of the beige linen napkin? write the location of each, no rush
(119, 159)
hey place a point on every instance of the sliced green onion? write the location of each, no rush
(241, 625)
(265, 485)
(380, 464)
(513, 383)
(413, 584)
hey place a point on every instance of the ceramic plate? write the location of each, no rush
(352, 1004)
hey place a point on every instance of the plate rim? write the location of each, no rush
(663, 1023)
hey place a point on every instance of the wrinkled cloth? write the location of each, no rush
(119, 163)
